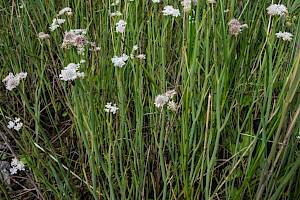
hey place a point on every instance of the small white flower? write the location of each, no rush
(120, 26)
(13, 81)
(188, 3)
(170, 10)
(156, 1)
(277, 9)
(15, 124)
(119, 61)
(71, 72)
(13, 170)
(18, 126)
(77, 31)
(172, 106)
(135, 47)
(82, 61)
(116, 3)
(17, 119)
(66, 10)
(117, 13)
(284, 35)
(16, 165)
(298, 137)
(10, 125)
(80, 51)
(124, 57)
(170, 93)
(109, 108)
(161, 100)
(141, 56)
(55, 23)
(211, 1)
(234, 27)
(43, 36)
(22, 75)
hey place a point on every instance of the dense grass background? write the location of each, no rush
(233, 135)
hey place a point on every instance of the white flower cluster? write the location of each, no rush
(187, 4)
(12, 81)
(170, 10)
(16, 165)
(280, 9)
(71, 72)
(162, 99)
(284, 35)
(109, 108)
(235, 27)
(140, 56)
(117, 13)
(116, 3)
(66, 10)
(75, 38)
(15, 124)
(120, 26)
(56, 22)
(43, 36)
(277, 9)
(119, 61)
(211, 1)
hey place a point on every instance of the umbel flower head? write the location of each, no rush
(187, 4)
(162, 99)
(43, 36)
(74, 38)
(16, 165)
(120, 26)
(109, 108)
(15, 124)
(235, 27)
(170, 10)
(284, 35)
(117, 13)
(119, 61)
(71, 72)
(277, 9)
(66, 10)
(56, 23)
(12, 81)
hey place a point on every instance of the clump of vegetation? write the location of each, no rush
(149, 99)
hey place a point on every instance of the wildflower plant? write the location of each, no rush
(228, 131)
(277, 9)
(166, 98)
(286, 36)
(171, 11)
(16, 165)
(111, 108)
(12, 81)
(14, 124)
(70, 72)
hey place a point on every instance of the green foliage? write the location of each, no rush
(207, 149)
